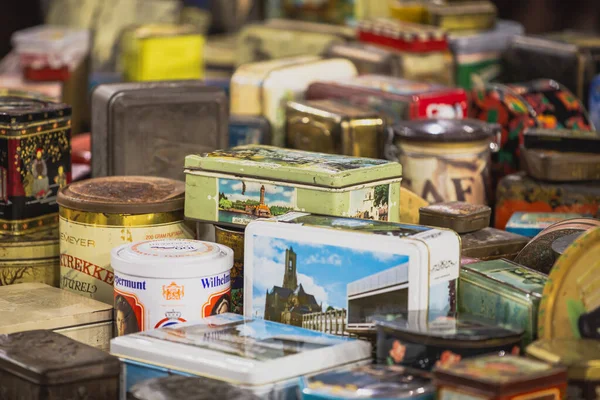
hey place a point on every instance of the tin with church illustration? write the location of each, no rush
(335, 274)
(235, 186)
(99, 214)
(35, 161)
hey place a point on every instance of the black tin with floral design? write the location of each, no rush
(413, 342)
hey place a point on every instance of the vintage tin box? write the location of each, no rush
(402, 99)
(581, 357)
(518, 192)
(264, 357)
(412, 341)
(531, 223)
(346, 32)
(504, 292)
(328, 11)
(101, 213)
(365, 9)
(297, 271)
(219, 56)
(538, 253)
(263, 88)
(233, 187)
(46, 365)
(459, 216)
(491, 244)
(30, 306)
(462, 15)
(35, 162)
(147, 128)
(409, 10)
(330, 126)
(367, 58)
(443, 159)
(571, 302)
(369, 381)
(245, 129)
(234, 239)
(410, 204)
(402, 36)
(478, 56)
(495, 377)
(177, 387)
(578, 141)
(33, 257)
(161, 52)
(558, 166)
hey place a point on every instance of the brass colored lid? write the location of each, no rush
(30, 246)
(580, 356)
(124, 195)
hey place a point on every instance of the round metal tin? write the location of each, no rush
(31, 246)
(446, 130)
(580, 356)
(571, 298)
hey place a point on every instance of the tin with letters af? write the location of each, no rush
(459, 216)
(491, 244)
(99, 214)
(330, 126)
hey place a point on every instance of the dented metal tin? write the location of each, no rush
(147, 128)
(491, 244)
(504, 292)
(462, 16)
(99, 214)
(235, 186)
(234, 239)
(330, 126)
(459, 216)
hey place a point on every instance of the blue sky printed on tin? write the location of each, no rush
(323, 270)
(282, 196)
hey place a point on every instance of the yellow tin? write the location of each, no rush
(410, 204)
(571, 300)
(99, 214)
(234, 239)
(33, 257)
(409, 10)
(158, 52)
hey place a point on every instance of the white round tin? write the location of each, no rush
(160, 283)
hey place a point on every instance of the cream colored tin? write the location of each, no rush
(99, 214)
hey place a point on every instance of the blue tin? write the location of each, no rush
(248, 130)
(594, 101)
(529, 224)
(222, 83)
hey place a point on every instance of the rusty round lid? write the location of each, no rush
(124, 195)
(445, 130)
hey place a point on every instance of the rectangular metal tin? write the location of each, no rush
(531, 223)
(147, 128)
(491, 244)
(463, 16)
(456, 215)
(343, 272)
(558, 166)
(290, 180)
(367, 58)
(563, 140)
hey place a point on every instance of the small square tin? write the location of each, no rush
(332, 274)
(491, 244)
(235, 186)
(44, 365)
(35, 161)
(333, 127)
(147, 128)
(422, 341)
(501, 378)
(459, 216)
(531, 223)
(504, 292)
(463, 15)
(248, 130)
(264, 357)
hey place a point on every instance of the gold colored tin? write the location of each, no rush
(234, 239)
(410, 204)
(463, 16)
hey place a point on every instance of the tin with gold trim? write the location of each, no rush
(234, 239)
(581, 357)
(330, 126)
(491, 244)
(33, 257)
(35, 161)
(462, 16)
(99, 214)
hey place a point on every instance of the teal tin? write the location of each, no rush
(504, 292)
(531, 223)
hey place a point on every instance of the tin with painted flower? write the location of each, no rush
(411, 341)
(99, 214)
(445, 160)
(235, 186)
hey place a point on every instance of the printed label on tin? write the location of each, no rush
(448, 394)
(85, 253)
(173, 248)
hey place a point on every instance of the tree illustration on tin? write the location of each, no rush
(382, 193)
(8, 276)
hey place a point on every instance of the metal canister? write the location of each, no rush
(234, 239)
(33, 257)
(99, 214)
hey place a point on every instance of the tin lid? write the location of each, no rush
(187, 387)
(18, 110)
(170, 258)
(50, 38)
(560, 245)
(501, 374)
(491, 242)
(369, 381)
(124, 195)
(30, 246)
(49, 358)
(29, 306)
(294, 166)
(444, 330)
(239, 350)
(446, 130)
(333, 108)
(570, 303)
(580, 356)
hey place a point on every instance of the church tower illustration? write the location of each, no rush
(262, 194)
(262, 210)
(290, 279)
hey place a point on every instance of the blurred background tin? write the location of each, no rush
(245, 129)
(531, 223)
(459, 216)
(477, 15)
